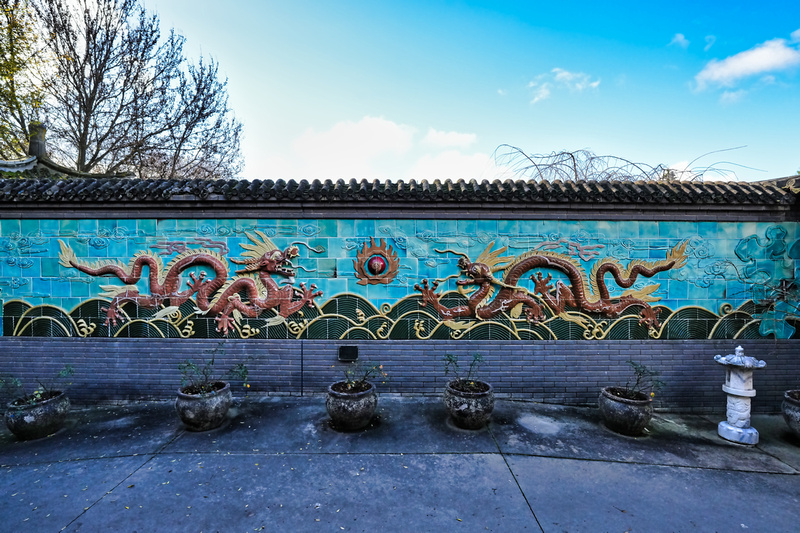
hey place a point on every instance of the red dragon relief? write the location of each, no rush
(511, 298)
(217, 296)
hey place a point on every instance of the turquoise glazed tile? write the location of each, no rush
(346, 228)
(227, 227)
(49, 227)
(42, 286)
(166, 227)
(489, 227)
(117, 250)
(68, 228)
(146, 227)
(87, 227)
(206, 228)
(9, 228)
(446, 228)
(29, 227)
(365, 228)
(326, 267)
(403, 230)
(648, 229)
(467, 227)
(186, 227)
(327, 227)
(707, 230)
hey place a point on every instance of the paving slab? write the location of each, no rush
(576, 496)
(323, 492)
(277, 464)
(776, 439)
(108, 431)
(579, 433)
(49, 496)
(301, 425)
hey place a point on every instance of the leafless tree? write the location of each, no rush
(126, 99)
(584, 165)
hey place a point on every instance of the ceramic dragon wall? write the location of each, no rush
(398, 279)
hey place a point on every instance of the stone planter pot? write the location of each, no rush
(469, 410)
(623, 415)
(791, 410)
(201, 412)
(350, 410)
(33, 421)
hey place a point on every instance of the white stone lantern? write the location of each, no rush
(739, 387)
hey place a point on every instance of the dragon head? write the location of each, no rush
(274, 262)
(477, 273)
(264, 256)
(483, 268)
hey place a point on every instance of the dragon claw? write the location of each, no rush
(112, 316)
(541, 284)
(649, 317)
(428, 294)
(197, 281)
(224, 323)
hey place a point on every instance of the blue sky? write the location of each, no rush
(429, 89)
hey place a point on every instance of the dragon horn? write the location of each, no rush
(465, 256)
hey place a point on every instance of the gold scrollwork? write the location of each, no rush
(188, 329)
(361, 316)
(84, 329)
(383, 331)
(248, 332)
(597, 331)
(419, 328)
(297, 327)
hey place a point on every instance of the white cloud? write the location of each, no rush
(447, 139)
(452, 164)
(575, 81)
(795, 35)
(541, 91)
(544, 84)
(679, 40)
(351, 149)
(710, 40)
(377, 148)
(767, 57)
(502, 92)
(732, 97)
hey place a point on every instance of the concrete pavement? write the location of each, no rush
(277, 465)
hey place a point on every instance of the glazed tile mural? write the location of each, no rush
(398, 279)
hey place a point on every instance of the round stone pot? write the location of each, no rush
(469, 410)
(201, 412)
(623, 415)
(791, 410)
(350, 410)
(35, 420)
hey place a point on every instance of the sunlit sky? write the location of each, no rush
(429, 89)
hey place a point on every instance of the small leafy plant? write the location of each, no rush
(465, 382)
(357, 376)
(202, 379)
(44, 391)
(643, 382)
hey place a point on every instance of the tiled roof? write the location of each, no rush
(110, 190)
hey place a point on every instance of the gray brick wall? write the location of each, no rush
(561, 372)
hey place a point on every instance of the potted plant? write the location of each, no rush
(628, 409)
(469, 401)
(203, 399)
(351, 403)
(40, 413)
(791, 410)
